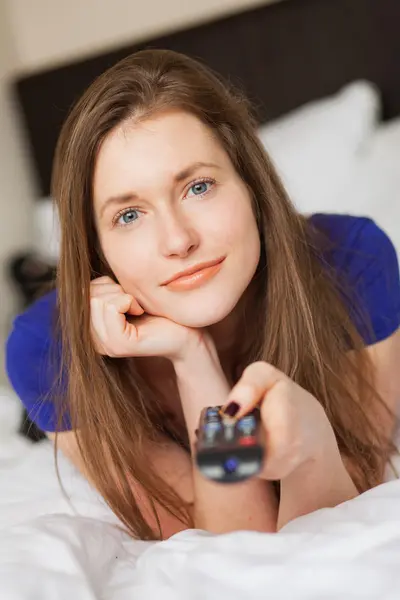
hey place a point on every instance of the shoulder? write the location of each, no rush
(364, 257)
(350, 233)
(38, 320)
(33, 359)
(33, 331)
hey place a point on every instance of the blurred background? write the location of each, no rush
(323, 75)
(36, 36)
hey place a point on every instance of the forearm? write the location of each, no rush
(321, 482)
(250, 505)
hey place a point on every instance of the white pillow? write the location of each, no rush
(46, 230)
(373, 188)
(315, 146)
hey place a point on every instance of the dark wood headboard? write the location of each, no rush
(282, 55)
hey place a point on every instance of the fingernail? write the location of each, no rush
(231, 409)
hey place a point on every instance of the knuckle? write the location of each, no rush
(95, 302)
(285, 387)
(97, 343)
(268, 368)
(101, 280)
(248, 370)
(105, 285)
(95, 290)
(111, 352)
(108, 349)
(257, 367)
(110, 304)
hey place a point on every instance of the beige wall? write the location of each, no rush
(16, 188)
(49, 31)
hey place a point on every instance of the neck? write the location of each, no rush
(228, 335)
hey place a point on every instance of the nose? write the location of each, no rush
(178, 237)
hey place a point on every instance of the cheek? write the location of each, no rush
(246, 239)
(129, 260)
(236, 226)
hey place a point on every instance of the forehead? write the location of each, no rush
(155, 148)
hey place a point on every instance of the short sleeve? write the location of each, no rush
(377, 283)
(33, 364)
(365, 260)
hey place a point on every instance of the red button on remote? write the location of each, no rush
(247, 441)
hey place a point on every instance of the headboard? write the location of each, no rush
(282, 55)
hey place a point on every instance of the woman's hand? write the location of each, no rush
(296, 427)
(301, 448)
(116, 334)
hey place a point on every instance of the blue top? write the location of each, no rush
(360, 250)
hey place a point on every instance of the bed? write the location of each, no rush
(323, 76)
(56, 545)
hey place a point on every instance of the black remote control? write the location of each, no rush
(229, 451)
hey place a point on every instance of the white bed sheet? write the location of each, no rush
(53, 549)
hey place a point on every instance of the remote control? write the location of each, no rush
(229, 451)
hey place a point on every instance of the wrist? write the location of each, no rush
(323, 443)
(322, 459)
(322, 481)
(201, 382)
(198, 354)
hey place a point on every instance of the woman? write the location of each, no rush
(187, 279)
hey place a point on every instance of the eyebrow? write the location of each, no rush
(180, 176)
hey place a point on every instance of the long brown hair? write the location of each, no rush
(301, 323)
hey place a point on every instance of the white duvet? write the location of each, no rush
(52, 548)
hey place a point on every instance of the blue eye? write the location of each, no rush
(127, 217)
(200, 188)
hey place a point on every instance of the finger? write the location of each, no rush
(274, 411)
(135, 308)
(105, 288)
(118, 302)
(98, 328)
(112, 294)
(105, 279)
(280, 426)
(257, 380)
(112, 334)
(108, 316)
(278, 397)
(125, 303)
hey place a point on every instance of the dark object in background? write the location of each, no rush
(31, 277)
(29, 430)
(282, 55)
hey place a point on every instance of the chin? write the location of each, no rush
(204, 315)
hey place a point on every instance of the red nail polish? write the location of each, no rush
(231, 409)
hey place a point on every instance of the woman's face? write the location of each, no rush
(167, 200)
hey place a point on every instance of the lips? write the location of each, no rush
(193, 270)
(194, 277)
